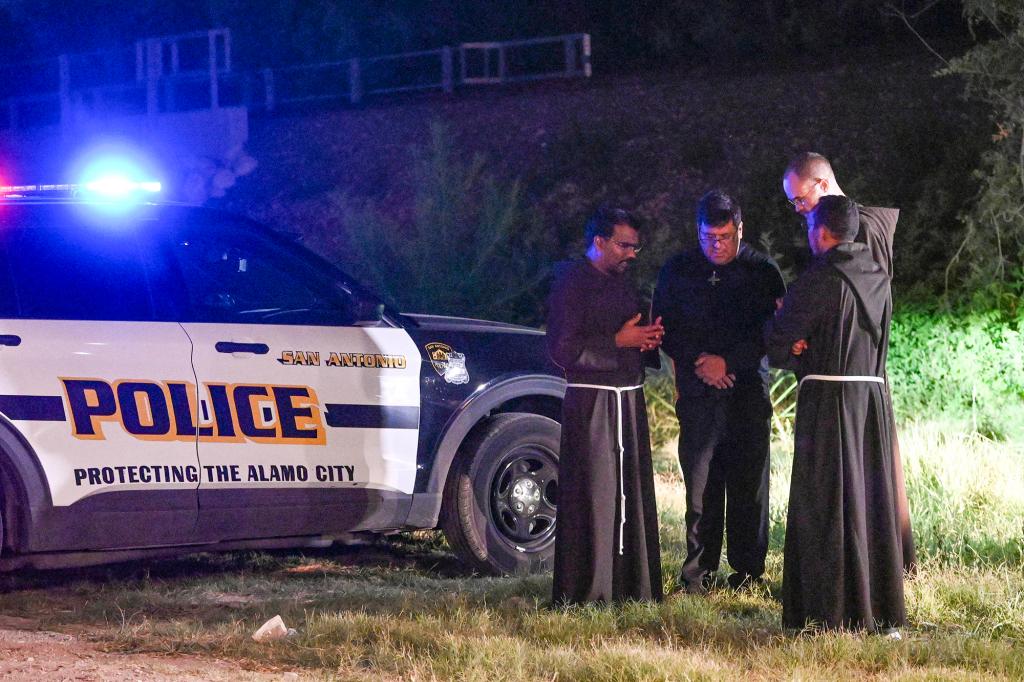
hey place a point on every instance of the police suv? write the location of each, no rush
(177, 379)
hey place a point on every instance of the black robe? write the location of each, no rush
(843, 564)
(877, 228)
(586, 309)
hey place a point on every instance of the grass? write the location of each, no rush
(407, 610)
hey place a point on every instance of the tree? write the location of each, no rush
(470, 245)
(987, 267)
(991, 256)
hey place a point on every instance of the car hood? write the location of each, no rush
(466, 324)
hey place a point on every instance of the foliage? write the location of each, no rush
(470, 245)
(966, 494)
(660, 390)
(992, 250)
(783, 392)
(966, 366)
(731, 30)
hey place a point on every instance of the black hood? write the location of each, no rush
(868, 281)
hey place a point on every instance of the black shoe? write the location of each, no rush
(695, 588)
(699, 588)
(744, 581)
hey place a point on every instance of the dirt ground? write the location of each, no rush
(29, 654)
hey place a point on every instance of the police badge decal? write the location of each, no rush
(449, 364)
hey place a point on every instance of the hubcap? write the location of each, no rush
(523, 497)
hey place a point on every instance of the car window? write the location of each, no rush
(232, 274)
(60, 269)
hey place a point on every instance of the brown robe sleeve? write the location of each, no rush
(574, 344)
(877, 227)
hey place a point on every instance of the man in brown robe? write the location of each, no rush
(843, 553)
(808, 178)
(606, 537)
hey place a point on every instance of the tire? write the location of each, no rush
(501, 495)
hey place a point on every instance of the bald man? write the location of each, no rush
(808, 178)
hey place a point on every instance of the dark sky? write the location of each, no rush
(626, 32)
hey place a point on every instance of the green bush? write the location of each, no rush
(966, 366)
(659, 389)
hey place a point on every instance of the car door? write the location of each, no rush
(85, 366)
(308, 416)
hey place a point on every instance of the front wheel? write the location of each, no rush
(502, 494)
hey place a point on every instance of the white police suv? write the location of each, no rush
(177, 379)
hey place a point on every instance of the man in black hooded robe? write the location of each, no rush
(606, 537)
(843, 564)
(807, 178)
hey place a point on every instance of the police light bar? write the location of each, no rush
(33, 189)
(112, 187)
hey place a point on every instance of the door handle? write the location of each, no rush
(235, 347)
(10, 340)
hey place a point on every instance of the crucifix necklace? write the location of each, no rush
(714, 278)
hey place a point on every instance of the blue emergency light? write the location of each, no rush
(120, 186)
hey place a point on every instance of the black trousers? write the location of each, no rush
(723, 452)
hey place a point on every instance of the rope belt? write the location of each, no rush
(839, 377)
(618, 390)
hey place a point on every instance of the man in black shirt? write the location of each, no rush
(714, 300)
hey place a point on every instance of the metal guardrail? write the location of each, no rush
(468, 64)
(353, 79)
(519, 60)
(194, 71)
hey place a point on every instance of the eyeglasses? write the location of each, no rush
(716, 239)
(801, 200)
(627, 246)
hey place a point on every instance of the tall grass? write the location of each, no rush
(966, 493)
(406, 610)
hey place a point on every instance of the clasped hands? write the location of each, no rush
(713, 371)
(635, 335)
